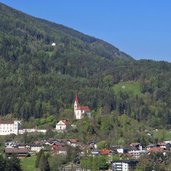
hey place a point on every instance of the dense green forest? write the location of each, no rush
(38, 79)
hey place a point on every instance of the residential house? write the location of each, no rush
(36, 148)
(124, 165)
(59, 149)
(20, 152)
(63, 125)
(73, 142)
(136, 154)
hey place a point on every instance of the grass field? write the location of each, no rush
(28, 163)
(129, 87)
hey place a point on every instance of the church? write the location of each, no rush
(80, 111)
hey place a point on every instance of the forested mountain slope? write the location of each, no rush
(38, 79)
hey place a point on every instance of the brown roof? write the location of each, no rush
(58, 148)
(66, 122)
(16, 150)
(6, 122)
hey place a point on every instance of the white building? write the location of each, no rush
(33, 130)
(53, 44)
(80, 111)
(36, 148)
(9, 127)
(124, 165)
(136, 154)
(62, 125)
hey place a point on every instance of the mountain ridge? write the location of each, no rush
(116, 53)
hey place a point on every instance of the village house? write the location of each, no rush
(80, 111)
(136, 154)
(62, 125)
(59, 149)
(9, 127)
(73, 142)
(36, 148)
(20, 152)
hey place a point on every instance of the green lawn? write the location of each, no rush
(28, 163)
(129, 87)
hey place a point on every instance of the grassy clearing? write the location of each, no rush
(128, 87)
(162, 134)
(28, 163)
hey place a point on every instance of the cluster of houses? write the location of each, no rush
(55, 146)
(131, 154)
(60, 146)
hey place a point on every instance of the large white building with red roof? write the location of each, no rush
(80, 111)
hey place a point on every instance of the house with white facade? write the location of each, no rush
(81, 111)
(9, 127)
(62, 125)
(124, 165)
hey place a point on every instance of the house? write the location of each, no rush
(124, 165)
(36, 148)
(162, 145)
(10, 144)
(136, 154)
(9, 127)
(80, 111)
(136, 146)
(53, 44)
(121, 150)
(73, 142)
(62, 125)
(59, 149)
(155, 150)
(20, 152)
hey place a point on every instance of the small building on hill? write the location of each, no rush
(80, 111)
(62, 125)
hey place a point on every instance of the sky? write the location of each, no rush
(141, 28)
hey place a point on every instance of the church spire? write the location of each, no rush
(76, 99)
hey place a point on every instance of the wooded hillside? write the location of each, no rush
(38, 79)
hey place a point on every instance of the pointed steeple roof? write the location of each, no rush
(76, 99)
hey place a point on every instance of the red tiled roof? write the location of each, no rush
(86, 108)
(105, 151)
(155, 150)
